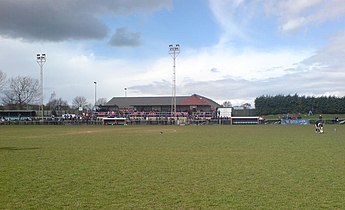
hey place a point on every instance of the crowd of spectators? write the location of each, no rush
(155, 117)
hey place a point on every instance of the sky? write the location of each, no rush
(230, 50)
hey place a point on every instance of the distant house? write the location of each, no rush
(193, 103)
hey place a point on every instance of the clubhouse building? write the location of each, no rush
(189, 104)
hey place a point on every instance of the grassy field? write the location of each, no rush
(191, 167)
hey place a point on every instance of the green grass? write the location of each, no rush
(190, 167)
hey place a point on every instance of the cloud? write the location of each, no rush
(162, 87)
(332, 55)
(243, 77)
(233, 17)
(294, 24)
(332, 10)
(220, 73)
(296, 14)
(124, 38)
(237, 17)
(214, 70)
(50, 20)
(70, 70)
(239, 77)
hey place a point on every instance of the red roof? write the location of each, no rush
(194, 100)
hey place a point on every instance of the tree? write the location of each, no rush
(101, 101)
(2, 81)
(227, 104)
(246, 105)
(21, 91)
(57, 104)
(282, 104)
(80, 101)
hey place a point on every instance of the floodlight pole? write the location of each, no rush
(95, 94)
(41, 59)
(174, 51)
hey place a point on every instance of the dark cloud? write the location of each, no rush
(51, 20)
(124, 38)
(214, 70)
(156, 88)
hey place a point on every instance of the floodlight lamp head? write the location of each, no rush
(41, 57)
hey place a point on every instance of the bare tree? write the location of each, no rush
(227, 104)
(101, 101)
(246, 105)
(2, 81)
(21, 91)
(57, 104)
(79, 101)
(88, 106)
